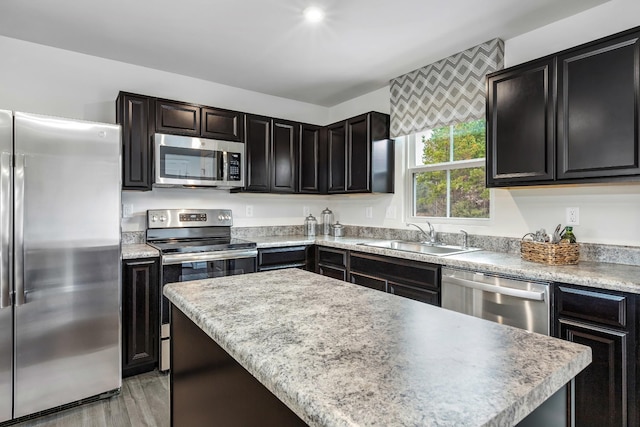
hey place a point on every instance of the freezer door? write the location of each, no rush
(67, 261)
(6, 310)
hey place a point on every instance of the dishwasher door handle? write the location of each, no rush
(518, 293)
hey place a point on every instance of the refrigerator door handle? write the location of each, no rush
(20, 297)
(5, 229)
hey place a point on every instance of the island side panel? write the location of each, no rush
(208, 387)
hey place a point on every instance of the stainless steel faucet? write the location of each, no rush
(431, 236)
(465, 239)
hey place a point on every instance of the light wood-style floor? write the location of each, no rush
(143, 402)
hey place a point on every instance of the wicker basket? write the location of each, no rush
(550, 253)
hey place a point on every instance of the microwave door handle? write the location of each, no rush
(224, 166)
(518, 293)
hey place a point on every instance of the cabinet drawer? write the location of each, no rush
(332, 256)
(608, 309)
(369, 282)
(336, 273)
(282, 257)
(411, 273)
(414, 293)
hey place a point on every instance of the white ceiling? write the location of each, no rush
(264, 45)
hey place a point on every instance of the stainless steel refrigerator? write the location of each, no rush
(59, 262)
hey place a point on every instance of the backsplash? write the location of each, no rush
(614, 254)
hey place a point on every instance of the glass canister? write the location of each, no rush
(327, 221)
(310, 224)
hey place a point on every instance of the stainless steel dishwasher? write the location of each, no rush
(519, 303)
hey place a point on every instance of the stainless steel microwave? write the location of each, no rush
(183, 161)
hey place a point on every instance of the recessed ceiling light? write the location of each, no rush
(313, 14)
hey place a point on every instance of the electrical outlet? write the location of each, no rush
(391, 212)
(368, 212)
(573, 216)
(305, 211)
(249, 211)
(127, 210)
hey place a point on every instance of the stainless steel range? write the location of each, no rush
(195, 244)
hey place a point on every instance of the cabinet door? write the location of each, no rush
(177, 118)
(601, 388)
(336, 161)
(520, 125)
(133, 114)
(414, 293)
(222, 124)
(598, 111)
(284, 144)
(358, 154)
(311, 171)
(258, 141)
(140, 303)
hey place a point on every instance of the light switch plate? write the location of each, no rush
(368, 212)
(249, 210)
(127, 210)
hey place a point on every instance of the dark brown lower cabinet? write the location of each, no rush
(604, 392)
(140, 304)
(419, 281)
(210, 388)
(285, 257)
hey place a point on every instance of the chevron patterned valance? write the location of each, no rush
(449, 91)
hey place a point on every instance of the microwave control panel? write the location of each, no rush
(234, 167)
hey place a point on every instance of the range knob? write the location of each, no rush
(227, 217)
(154, 218)
(220, 217)
(163, 218)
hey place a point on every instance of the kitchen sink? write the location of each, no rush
(423, 248)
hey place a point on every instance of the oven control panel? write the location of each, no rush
(193, 217)
(180, 218)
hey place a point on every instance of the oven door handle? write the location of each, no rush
(518, 293)
(208, 256)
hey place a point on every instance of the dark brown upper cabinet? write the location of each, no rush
(571, 117)
(271, 150)
(217, 123)
(360, 155)
(177, 118)
(520, 124)
(598, 111)
(351, 156)
(134, 114)
(336, 158)
(257, 151)
(284, 150)
(312, 175)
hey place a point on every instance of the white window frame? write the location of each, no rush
(412, 168)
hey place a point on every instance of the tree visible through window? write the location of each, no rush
(448, 173)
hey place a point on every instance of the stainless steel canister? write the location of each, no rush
(327, 220)
(338, 229)
(310, 224)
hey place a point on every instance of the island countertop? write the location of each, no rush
(339, 354)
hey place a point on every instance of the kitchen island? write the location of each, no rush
(338, 354)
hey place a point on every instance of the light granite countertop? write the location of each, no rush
(618, 277)
(339, 354)
(139, 250)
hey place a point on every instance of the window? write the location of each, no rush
(447, 172)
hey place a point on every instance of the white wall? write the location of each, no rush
(609, 214)
(52, 81)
